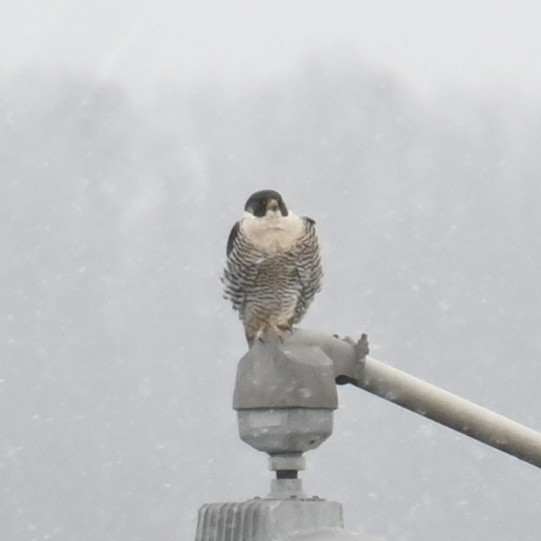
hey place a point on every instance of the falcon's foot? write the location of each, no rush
(275, 329)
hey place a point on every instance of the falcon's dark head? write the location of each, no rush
(259, 203)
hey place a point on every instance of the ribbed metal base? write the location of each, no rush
(265, 519)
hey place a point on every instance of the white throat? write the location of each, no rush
(273, 233)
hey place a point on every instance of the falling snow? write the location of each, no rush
(119, 354)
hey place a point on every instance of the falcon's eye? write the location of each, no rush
(260, 209)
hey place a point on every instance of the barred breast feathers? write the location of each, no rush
(259, 256)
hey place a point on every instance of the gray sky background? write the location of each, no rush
(472, 45)
(118, 351)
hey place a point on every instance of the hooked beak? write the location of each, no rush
(272, 204)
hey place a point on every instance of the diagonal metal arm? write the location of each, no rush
(423, 398)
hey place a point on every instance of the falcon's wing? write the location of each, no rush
(309, 263)
(233, 285)
(232, 237)
(309, 269)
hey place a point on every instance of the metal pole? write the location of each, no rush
(423, 398)
(451, 410)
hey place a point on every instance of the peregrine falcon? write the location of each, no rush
(273, 268)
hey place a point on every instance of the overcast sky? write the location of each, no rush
(471, 44)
